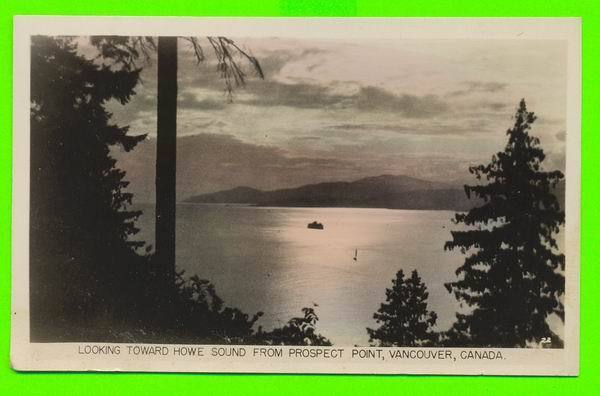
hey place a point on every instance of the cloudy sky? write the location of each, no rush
(335, 110)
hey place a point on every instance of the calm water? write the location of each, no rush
(266, 259)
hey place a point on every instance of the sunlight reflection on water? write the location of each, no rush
(266, 259)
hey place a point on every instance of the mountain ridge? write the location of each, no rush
(383, 191)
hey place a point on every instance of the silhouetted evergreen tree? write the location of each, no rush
(127, 52)
(80, 224)
(404, 318)
(513, 275)
(87, 280)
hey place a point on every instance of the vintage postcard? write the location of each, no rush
(296, 195)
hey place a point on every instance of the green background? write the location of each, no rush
(105, 383)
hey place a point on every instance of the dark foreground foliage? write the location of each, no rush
(88, 279)
(513, 275)
(191, 311)
(79, 222)
(404, 318)
(298, 331)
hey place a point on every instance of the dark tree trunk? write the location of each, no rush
(166, 149)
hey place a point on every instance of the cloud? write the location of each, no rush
(478, 86)
(303, 94)
(377, 99)
(188, 100)
(299, 95)
(369, 99)
(485, 86)
(352, 127)
(201, 87)
(464, 126)
(495, 106)
(272, 62)
(307, 138)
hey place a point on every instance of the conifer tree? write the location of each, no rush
(80, 222)
(404, 318)
(512, 277)
(87, 279)
(126, 52)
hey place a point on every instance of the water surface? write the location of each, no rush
(266, 259)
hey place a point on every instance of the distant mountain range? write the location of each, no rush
(385, 191)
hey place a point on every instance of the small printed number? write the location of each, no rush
(545, 340)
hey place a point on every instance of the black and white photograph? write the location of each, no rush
(376, 196)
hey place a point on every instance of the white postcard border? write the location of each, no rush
(68, 356)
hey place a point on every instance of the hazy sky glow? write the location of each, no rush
(334, 110)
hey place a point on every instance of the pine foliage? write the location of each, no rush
(404, 318)
(513, 275)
